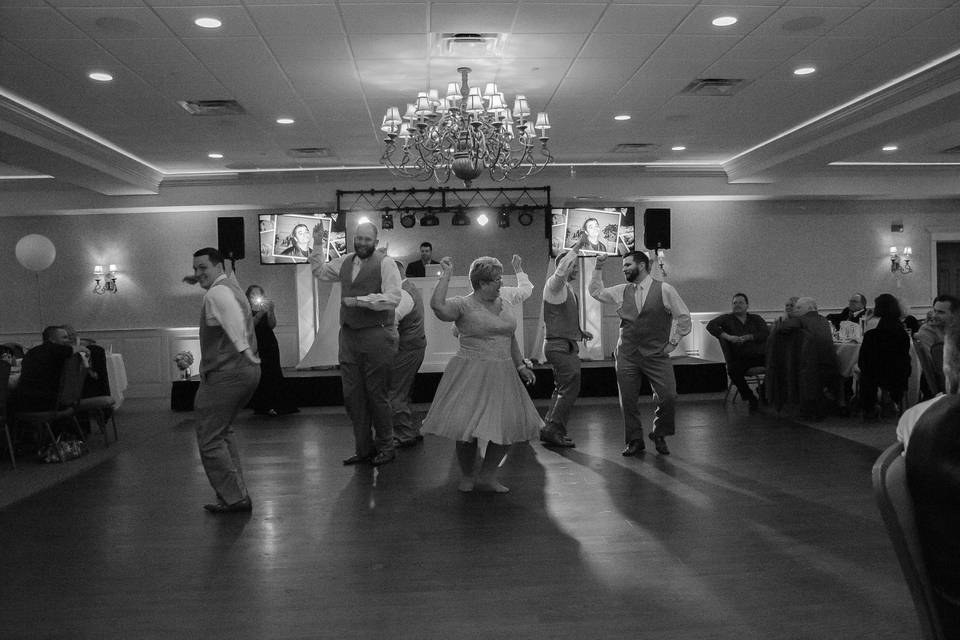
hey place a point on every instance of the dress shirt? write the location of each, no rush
(730, 324)
(930, 334)
(555, 290)
(405, 306)
(519, 293)
(220, 309)
(909, 419)
(389, 279)
(681, 324)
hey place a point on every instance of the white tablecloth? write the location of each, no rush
(117, 377)
(848, 354)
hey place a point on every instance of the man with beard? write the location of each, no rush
(653, 319)
(369, 294)
(561, 317)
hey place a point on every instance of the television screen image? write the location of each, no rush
(288, 238)
(607, 230)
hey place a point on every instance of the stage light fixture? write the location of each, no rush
(503, 219)
(429, 220)
(408, 220)
(525, 218)
(386, 221)
(461, 219)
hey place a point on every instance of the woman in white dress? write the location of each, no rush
(480, 394)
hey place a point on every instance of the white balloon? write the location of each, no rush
(35, 252)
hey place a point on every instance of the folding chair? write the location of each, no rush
(64, 407)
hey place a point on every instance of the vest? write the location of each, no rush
(562, 320)
(367, 282)
(217, 352)
(412, 335)
(647, 331)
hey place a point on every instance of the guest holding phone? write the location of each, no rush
(271, 397)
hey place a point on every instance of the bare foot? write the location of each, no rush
(492, 487)
(466, 485)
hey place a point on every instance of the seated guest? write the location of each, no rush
(789, 306)
(743, 338)
(951, 372)
(909, 322)
(95, 383)
(40, 370)
(813, 373)
(7, 355)
(854, 311)
(933, 477)
(884, 356)
(418, 269)
(945, 307)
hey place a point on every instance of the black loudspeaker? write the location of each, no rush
(656, 228)
(230, 238)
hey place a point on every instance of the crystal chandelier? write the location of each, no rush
(464, 134)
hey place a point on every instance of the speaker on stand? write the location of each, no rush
(656, 233)
(230, 238)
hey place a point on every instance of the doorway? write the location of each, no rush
(948, 268)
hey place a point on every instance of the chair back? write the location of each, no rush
(71, 382)
(896, 506)
(933, 375)
(4, 388)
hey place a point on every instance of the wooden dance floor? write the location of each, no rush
(755, 527)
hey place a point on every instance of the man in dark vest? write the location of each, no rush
(369, 294)
(229, 374)
(410, 351)
(561, 316)
(653, 318)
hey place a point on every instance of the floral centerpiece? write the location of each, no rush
(184, 359)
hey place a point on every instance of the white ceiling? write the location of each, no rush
(336, 66)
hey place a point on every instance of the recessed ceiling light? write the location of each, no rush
(215, 155)
(804, 71)
(622, 116)
(724, 21)
(285, 120)
(208, 23)
(679, 147)
(890, 147)
(100, 76)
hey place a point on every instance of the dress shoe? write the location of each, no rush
(660, 444)
(383, 457)
(242, 506)
(633, 448)
(403, 443)
(554, 439)
(357, 459)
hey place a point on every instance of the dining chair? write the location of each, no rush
(4, 394)
(65, 405)
(896, 507)
(754, 376)
(933, 375)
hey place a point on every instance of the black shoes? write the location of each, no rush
(553, 439)
(356, 459)
(243, 506)
(403, 443)
(660, 444)
(383, 457)
(633, 448)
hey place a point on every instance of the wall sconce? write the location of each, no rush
(106, 282)
(898, 263)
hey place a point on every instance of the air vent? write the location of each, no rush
(952, 150)
(212, 107)
(468, 45)
(309, 152)
(714, 87)
(634, 147)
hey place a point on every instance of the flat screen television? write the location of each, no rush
(288, 238)
(610, 230)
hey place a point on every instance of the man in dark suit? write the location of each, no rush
(933, 476)
(854, 311)
(40, 371)
(418, 269)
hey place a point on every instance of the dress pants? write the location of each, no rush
(563, 355)
(737, 367)
(405, 368)
(366, 363)
(659, 371)
(222, 394)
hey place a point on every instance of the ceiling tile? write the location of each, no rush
(21, 23)
(396, 46)
(472, 18)
(117, 22)
(642, 19)
(808, 20)
(385, 18)
(137, 53)
(286, 20)
(769, 48)
(298, 50)
(700, 20)
(704, 48)
(236, 21)
(620, 46)
(550, 18)
(543, 46)
(882, 22)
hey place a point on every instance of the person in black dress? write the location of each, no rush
(884, 357)
(271, 397)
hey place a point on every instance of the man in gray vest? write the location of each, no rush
(229, 374)
(653, 318)
(369, 294)
(561, 316)
(411, 348)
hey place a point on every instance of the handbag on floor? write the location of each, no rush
(62, 450)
